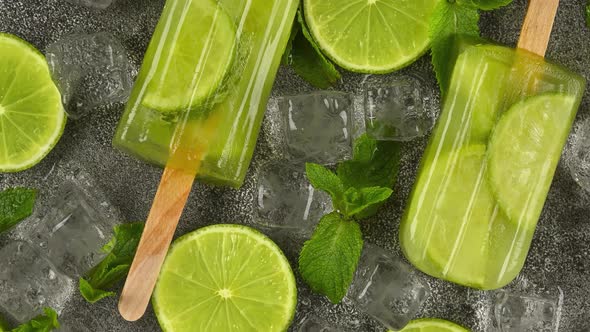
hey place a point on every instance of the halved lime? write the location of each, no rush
(31, 114)
(225, 278)
(524, 150)
(457, 211)
(195, 56)
(372, 36)
(433, 325)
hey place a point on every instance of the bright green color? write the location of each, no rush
(223, 120)
(485, 175)
(167, 91)
(114, 267)
(31, 114)
(433, 325)
(46, 322)
(16, 204)
(328, 261)
(3, 325)
(225, 278)
(520, 163)
(375, 36)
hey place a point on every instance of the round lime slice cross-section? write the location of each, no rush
(524, 150)
(225, 278)
(31, 114)
(372, 36)
(433, 325)
(195, 60)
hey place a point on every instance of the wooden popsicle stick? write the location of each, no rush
(538, 23)
(160, 226)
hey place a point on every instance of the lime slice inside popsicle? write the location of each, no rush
(225, 278)
(524, 151)
(31, 114)
(373, 36)
(433, 325)
(195, 61)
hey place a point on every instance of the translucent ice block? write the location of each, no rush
(387, 289)
(577, 157)
(516, 312)
(99, 4)
(29, 282)
(203, 87)
(488, 167)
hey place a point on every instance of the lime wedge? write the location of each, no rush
(31, 114)
(433, 325)
(372, 36)
(225, 278)
(524, 150)
(195, 60)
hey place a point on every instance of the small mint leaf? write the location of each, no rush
(361, 203)
(329, 259)
(16, 204)
(43, 323)
(322, 178)
(91, 294)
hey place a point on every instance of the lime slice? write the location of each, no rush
(524, 150)
(455, 217)
(225, 278)
(433, 325)
(374, 36)
(31, 114)
(195, 60)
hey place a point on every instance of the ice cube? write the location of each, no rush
(74, 231)
(29, 282)
(578, 154)
(386, 288)
(100, 4)
(286, 200)
(515, 312)
(399, 110)
(90, 71)
(318, 126)
(315, 324)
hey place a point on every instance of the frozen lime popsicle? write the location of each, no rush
(202, 90)
(489, 165)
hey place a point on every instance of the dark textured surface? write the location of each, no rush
(559, 256)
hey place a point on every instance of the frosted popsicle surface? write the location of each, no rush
(204, 83)
(489, 165)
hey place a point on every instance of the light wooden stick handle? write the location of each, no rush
(538, 23)
(159, 229)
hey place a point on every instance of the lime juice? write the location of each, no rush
(489, 165)
(203, 86)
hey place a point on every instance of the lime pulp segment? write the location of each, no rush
(225, 278)
(31, 114)
(194, 63)
(373, 36)
(433, 325)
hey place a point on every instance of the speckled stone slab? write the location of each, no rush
(559, 256)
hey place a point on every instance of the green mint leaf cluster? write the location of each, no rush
(306, 58)
(358, 189)
(113, 268)
(42, 323)
(16, 204)
(328, 261)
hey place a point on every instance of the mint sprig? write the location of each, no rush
(43, 323)
(358, 189)
(16, 204)
(115, 266)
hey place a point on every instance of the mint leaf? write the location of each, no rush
(329, 259)
(323, 179)
(16, 204)
(449, 19)
(42, 323)
(361, 203)
(115, 266)
(308, 61)
(486, 4)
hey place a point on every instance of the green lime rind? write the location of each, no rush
(32, 119)
(224, 278)
(195, 61)
(433, 325)
(375, 36)
(523, 153)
